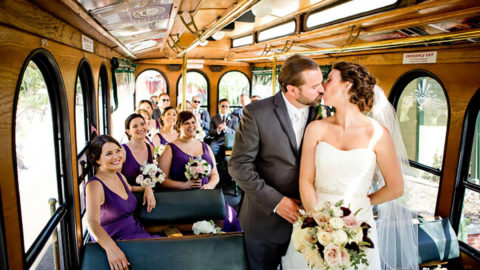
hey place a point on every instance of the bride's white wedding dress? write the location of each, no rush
(344, 175)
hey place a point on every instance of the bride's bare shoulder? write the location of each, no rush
(321, 123)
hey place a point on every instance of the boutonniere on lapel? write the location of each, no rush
(324, 112)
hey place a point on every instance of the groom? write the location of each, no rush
(265, 160)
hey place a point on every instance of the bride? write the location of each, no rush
(340, 156)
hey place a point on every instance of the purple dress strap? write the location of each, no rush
(162, 139)
(116, 214)
(177, 173)
(131, 168)
(157, 124)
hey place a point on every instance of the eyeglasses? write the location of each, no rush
(165, 99)
(197, 101)
(224, 106)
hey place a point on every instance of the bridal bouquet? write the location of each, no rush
(197, 168)
(331, 237)
(150, 175)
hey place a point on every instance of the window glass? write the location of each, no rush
(45, 259)
(469, 229)
(423, 114)
(262, 82)
(196, 85)
(232, 85)
(149, 83)
(347, 9)
(277, 31)
(35, 151)
(242, 41)
(474, 168)
(125, 81)
(80, 118)
(422, 191)
(101, 111)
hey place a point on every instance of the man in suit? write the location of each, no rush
(265, 160)
(244, 101)
(222, 123)
(156, 111)
(202, 115)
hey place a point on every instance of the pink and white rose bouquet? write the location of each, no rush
(150, 175)
(197, 168)
(331, 237)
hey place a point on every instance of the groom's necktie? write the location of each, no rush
(298, 127)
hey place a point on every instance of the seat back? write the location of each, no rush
(185, 206)
(221, 251)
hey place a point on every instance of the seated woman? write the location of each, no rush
(168, 133)
(151, 132)
(147, 106)
(177, 155)
(137, 151)
(110, 202)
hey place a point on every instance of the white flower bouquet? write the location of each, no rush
(331, 237)
(197, 168)
(150, 176)
(205, 227)
(157, 152)
(152, 132)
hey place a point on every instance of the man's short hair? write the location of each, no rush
(291, 72)
(223, 100)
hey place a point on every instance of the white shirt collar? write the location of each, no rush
(294, 110)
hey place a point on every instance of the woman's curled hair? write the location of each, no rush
(361, 93)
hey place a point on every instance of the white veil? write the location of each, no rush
(397, 235)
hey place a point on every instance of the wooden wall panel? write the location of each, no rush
(15, 46)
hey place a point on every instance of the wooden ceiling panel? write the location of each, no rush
(217, 4)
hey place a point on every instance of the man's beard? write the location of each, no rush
(305, 101)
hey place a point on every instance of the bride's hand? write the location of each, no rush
(288, 208)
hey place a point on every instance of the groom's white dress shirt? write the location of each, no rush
(299, 117)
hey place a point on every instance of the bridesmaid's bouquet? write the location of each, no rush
(152, 132)
(158, 151)
(331, 237)
(150, 175)
(197, 168)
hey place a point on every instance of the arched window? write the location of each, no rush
(43, 158)
(232, 84)
(423, 113)
(197, 84)
(85, 116)
(467, 192)
(103, 101)
(149, 83)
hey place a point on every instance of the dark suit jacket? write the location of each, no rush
(265, 164)
(205, 116)
(232, 125)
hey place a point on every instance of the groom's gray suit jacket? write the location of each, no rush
(265, 164)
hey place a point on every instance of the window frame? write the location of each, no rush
(65, 213)
(394, 98)
(206, 107)
(349, 18)
(167, 86)
(232, 107)
(105, 107)
(257, 33)
(461, 178)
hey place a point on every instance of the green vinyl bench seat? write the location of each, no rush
(185, 206)
(220, 251)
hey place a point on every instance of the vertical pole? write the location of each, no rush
(184, 80)
(274, 75)
(56, 252)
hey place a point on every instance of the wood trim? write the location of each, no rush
(163, 61)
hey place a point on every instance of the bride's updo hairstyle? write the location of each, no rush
(361, 93)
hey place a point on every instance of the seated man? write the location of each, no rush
(203, 117)
(221, 124)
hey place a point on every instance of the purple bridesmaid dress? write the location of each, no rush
(162, 139)
(116, 214)
(131, 168)
(177, 173)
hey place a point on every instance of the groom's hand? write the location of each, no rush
(288, 208)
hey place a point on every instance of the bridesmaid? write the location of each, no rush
(147, 106)
(177, 155)
(146, 115)
(168, 133)
(137, 151)
(110, 202)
